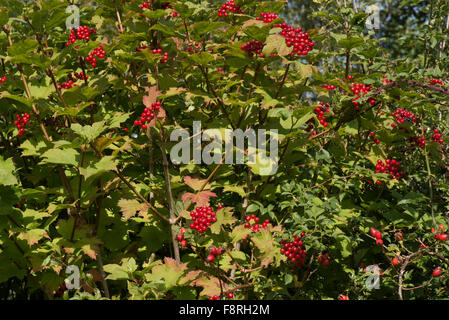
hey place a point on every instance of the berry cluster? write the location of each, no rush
(359, 89)
(439, 234)
(385, 80)
(294, 250)
(147, 115)
(376, 141)
(255, 227)
(436, 137)
(141, 47)
(378, 235)
(418, 141)
(229, 6)
(343, 297)
(167, 5)
(180, 237)
(214, 298)
(82, 33)
(197, 47)
(253, 47)
(390, 166)
(3, 79)
(97, 52)
(328, 87)
(436, 81)
(21, 122)
(320, 111)
(401, 115)
(324, 259)
(300, 41)
(267, 17)
(145, 5)
(202, 218)
(71, 82)
(164, 56)
(214, 252)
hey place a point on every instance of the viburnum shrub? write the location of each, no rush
(89, 118)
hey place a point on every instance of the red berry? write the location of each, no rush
(437, 272)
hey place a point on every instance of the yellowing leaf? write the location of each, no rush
(130, 207)
(33, 236)
(170, 272)
(200, 199)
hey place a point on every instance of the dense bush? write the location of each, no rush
(361, 188)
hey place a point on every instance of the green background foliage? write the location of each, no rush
(85, 187)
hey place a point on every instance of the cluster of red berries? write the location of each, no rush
(167, 5)
(343, 297)
(300, 41)
(294, 250)
(21, 122)
(378, 235)
(320, 111)
(418, 141)
(253, 47)
(390, 166)
(328, 87)
(385, 78)
(214, 252)
(436, 81)
(97, 52)
(436, 137)
(267, 17)
(439, 234)
(214, 298)
(401, 115)
(3, 79)
(82, 33)
(202, 218)
(359, 89)
(147, 115)
(53, 122)
(180, 237)
(197, 47)
(164, 56)
(376, 141)
(145, 5)
(141, 47)
(255, 227)
(229, 6)
(71, 82)
(324, 259)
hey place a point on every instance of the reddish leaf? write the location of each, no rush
(200, 199)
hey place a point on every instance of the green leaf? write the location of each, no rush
(204, 27)
(105, 164)
(351, 42)
(170, 272)
(7, 169)
(239, 233)
(276, 42)
(89, 132)
(116, 272)
(59, 156)
(224, 216)
(22, 47)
